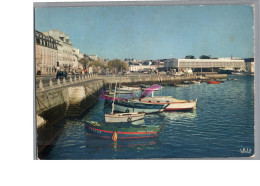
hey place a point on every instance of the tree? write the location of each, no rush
(84, 62)
(117, 64)
(189, 57)
(205, 57)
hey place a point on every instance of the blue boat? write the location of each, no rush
(137, 106)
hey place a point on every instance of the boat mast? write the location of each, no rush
(114, 100)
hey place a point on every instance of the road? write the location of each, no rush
(46, 79)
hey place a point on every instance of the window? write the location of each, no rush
(38, 41)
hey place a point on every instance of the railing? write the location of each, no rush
(64, 82)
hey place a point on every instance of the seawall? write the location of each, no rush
(55, 104)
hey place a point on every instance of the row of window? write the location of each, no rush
(46, 43)
(210, 64)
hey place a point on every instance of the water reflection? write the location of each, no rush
(96, 144)
(173, 116)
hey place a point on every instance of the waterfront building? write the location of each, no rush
(93, 57)
(46, 53)
(65, 49)
(75, 58)
(138, 67)
(250, 65)
(179, 63)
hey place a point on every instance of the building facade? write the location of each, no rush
(137, 67)
(250, 65)
(205, 63)
(46, 54)
(66, 58)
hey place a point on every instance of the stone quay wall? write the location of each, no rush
(162, 79)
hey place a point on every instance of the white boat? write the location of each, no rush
(195, 82)
(122, 117)
(237, 73)
(121, 92)
(181, 85)
(173, 104)
(123, 88)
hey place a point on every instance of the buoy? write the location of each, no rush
(114, 137)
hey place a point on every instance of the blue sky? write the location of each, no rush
(154, 32)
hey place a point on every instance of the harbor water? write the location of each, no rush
(221, 126)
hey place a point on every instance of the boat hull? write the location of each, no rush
(137, 107)
(174, 104)
(125, 117)
(181, 106)
(213, 82)
(123, 133)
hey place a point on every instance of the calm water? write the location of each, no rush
(222, 126)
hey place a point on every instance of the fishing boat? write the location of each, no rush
(181, 85)
(137, 106)
(123, 88)
(123, 132)
(122, 117)
(213, 82)
(237, 73)
(195, 82)
(186, 82)
(110, 97)
(122, 91)
(173, 104)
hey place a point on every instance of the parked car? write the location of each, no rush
(61, 74)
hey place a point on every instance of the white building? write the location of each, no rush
(205, 63)
(137, 67)
(75, 58)
(93, 57)
(250, 65)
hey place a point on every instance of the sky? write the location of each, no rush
(154, 32)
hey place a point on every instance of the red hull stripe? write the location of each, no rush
(128, 116)
(123, 132)
(128, 137)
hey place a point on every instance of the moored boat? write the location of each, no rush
(137, 106)
(123, 132)
(129, 88)
(122, 91)
(123, 117)
(174, 104)
(213, 82)
(238, 73)
(181, 85)
(195, 82)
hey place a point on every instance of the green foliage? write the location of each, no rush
(189, 57)
(205, 57)
(117, 64)
(97, 64)
(84, 62)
